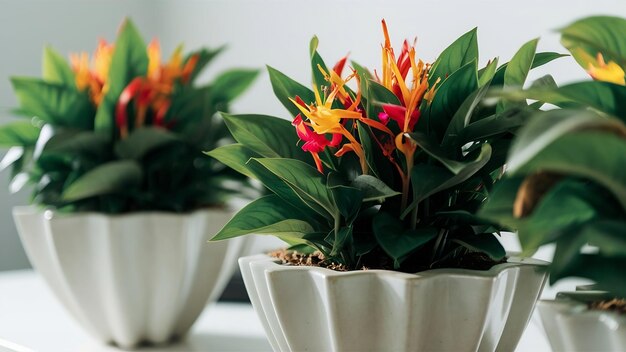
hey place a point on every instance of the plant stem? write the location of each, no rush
(414, 217)
(406, 181)
(335, 249)
(438, 244)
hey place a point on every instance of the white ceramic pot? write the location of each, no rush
(572, 327)
(316, 309)
(129, 279)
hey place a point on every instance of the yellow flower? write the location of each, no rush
(607, 72)
(323, 118)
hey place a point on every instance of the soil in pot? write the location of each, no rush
(469, 260)
(617, 305)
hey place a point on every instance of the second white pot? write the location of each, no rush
(315, 309)
(128, 279)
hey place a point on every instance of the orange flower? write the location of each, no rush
(155, 89)
(93, 77)
(394, 77)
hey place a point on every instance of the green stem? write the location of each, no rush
(337, 217)
(439, 243)
(414, 217)
(406, 182)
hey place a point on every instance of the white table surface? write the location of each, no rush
(31, 317)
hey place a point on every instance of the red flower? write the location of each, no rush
(314, 142)
(398, 113)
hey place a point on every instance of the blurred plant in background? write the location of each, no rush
(566, 182)
(123, 131)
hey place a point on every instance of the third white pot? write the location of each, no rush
(572, 327)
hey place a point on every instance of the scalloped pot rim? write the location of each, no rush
(50, 214)
(513, 261)
(572, 308)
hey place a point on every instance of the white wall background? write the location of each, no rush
(274, 32)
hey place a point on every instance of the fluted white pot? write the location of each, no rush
(572, 327)
(129, 279)
(315, 309)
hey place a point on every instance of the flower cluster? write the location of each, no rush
(153, 91)
(386, 168)
(124, 130)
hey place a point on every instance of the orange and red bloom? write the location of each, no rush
(404, 76)
(151, 93)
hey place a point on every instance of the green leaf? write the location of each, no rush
(449, 98)
(427, 145)
(601, 160)
(316, 62)
(348, 199)
(285, 88)
(521, 63)
(395, 240)
(112, 177)
(464, 217)
(607, 236)
(598, 34)
(485, 243)
(461, 52)
(18, 133)
(428, 179)
(486, 75)
(545, 58)
(603, 96)
(53, 103)
(75, 143)
(462, 118)
(230, 84)
(539, 60)
(378, 94)
(369, 148)
(608, 273)
(235, 156)
(518, 68)
(568, 205)
(268, 215)
(56, 69)
(546, 127)
(129, 60)
(205, 56)
(305, 181)
(373, 189)
(270, 137)
(499, 205)
(142, 141)
(341, 237)
(364, 74)
(489, 127)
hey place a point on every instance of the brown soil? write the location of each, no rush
(613, 305)
(471, 260)
(301, 259)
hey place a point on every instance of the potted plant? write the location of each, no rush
(375, 184)
(566, 187)
(125, 201)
